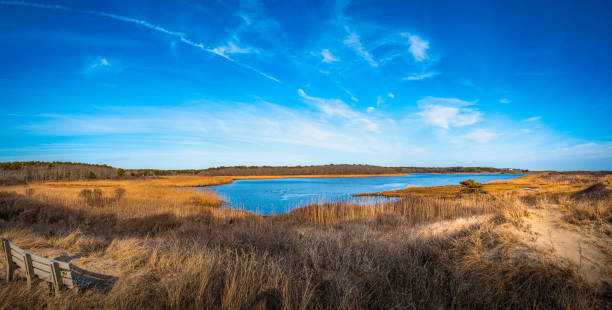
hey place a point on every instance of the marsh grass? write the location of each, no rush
(415, 209)
(172, 247)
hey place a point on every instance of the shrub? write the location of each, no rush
(29, 192)
(471, 186)
(92, 197)
(120, 173)
(91, 175)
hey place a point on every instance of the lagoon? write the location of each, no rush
(273, 196)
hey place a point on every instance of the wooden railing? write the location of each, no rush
(60, 274)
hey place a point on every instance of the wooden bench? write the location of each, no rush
(60, 274)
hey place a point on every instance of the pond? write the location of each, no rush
(271, 196)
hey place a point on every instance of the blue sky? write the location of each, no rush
(186, 84)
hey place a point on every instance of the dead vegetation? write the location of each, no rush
(171, 247)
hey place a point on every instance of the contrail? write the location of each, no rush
(181, 36)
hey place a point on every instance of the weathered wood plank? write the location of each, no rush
(63, 265)
(43, 272)
(17, 249)
(68, 283)
(10, 268)
(16, 256)
(47, 276)
(67, 278)
(44, 260)
(57, 277)
(27, 260)
(42, 266)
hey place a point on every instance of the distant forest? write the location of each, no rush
(340, 169)
(14, 173)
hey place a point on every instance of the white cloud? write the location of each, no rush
(236, 133)
(261, 122)
(504, 100)
(447, 112)
(352, 95)
(533, 119)
(352, 41)
(480, 135)
(179, 35)
(418, 48)
(328, 56)
(422, 76)
(337, 108)
(99, 63)
(444, 101)
(331, 107)
(590, 150)
(370, 109)
(391, 95)
(232, 48)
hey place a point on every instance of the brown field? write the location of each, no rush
(540, 241)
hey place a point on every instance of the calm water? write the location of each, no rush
(281, 195)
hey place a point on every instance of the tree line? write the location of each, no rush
(12, 173)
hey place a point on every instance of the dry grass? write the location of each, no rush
(415, 209)
(170, 247)
(140, 198)
(543, 183)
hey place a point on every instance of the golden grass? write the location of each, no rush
(141, 198)
(415, 209)
(543, 183)
(171, 247)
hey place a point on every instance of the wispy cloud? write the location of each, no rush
(101, 65)
(418, 47)
(37, 5)
(590, 150)
(337, 107)
(204, 133)
(232, 48)
(352, 95)
(533, 119)
(331, 107)
(227, 122)
(328, 56)
(420, 76)
(504, 100)
(447, 112)
(352, 41)
(100, 62)
(181, 36)
(480, 135)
